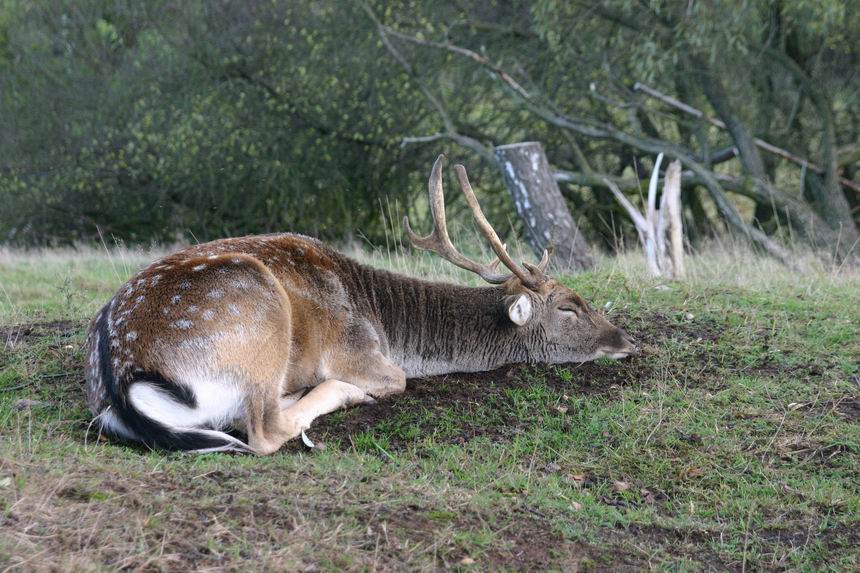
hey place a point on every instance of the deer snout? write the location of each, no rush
(629, 341)
(618, 344)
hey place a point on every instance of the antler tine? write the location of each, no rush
(438, 240)
(541, 267)
(531, 278)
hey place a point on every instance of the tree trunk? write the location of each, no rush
(541, 207)
(819, 230)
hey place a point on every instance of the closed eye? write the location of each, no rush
(568, 309)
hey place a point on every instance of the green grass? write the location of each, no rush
(732, 444)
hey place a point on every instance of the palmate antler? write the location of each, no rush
(532, 276)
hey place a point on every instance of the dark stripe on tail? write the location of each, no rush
(150, 432)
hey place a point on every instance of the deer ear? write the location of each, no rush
(520, 310)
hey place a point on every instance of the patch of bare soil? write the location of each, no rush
(850, 408)
(688, 544)
(462, 394)
(797, 532)
(12, 336)
(526, 543)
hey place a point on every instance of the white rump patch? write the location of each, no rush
(219, 403)
(521, 311)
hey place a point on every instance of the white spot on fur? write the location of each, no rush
(175, 299)
(208, 314)
(131, 336)
(183, 324)
(193, 308)
(199, 268)
(234, 310)
(165, 311)
(213, 257)
(185, 285)
(216, 294)
(155, 280)
(139, 299)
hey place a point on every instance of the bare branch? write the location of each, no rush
(760, 143)
(450, 132)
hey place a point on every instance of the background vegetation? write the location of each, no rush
(148, 121)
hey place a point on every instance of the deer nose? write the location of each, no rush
(631, 342)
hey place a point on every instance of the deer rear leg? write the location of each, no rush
(266, 427)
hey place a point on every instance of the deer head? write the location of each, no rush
(550, 320)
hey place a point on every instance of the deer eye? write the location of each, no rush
(568, 309)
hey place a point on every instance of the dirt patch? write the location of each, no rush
(781, 542)
(683, 544)
(463, 396)
(12, 336)
(525, 543)
(850, 408)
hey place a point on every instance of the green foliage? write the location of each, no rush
(152, 120)
(148, 120)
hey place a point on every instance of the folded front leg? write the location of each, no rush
(329, 396)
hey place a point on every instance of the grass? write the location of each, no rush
(733, 443)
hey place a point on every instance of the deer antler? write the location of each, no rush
(440, 243)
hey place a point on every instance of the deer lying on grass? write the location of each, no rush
(233, 332)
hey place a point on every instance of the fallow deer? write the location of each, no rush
(267, 333)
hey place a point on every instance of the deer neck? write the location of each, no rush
(437, 328)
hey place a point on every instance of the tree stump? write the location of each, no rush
(540, 205)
